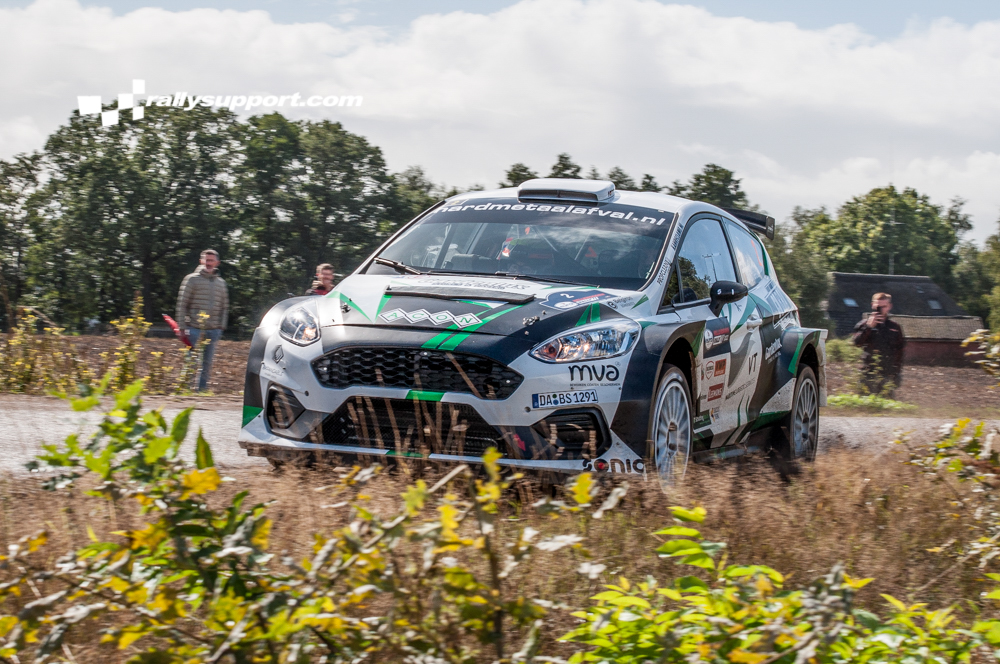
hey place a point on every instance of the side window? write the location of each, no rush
(750, 255)
(704, 258)
(671, 296)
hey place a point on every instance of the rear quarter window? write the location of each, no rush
(751, 259)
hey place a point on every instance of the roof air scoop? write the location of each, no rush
(565, 189)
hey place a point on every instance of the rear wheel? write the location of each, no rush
(671, 427)
(802, 425)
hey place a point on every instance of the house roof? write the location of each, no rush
(938, 327)
(850, 297)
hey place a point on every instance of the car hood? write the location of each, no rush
(475, 305)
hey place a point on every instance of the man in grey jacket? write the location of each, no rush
(203, 307)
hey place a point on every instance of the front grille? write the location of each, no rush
(416, 369)
(407, 426)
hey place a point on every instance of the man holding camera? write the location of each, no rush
(883, 343)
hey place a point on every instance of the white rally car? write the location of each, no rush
(571, 326)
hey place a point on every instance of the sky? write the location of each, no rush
(809, 103)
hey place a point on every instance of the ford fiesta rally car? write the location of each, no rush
(571, 326)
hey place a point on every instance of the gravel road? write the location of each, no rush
(27, 422)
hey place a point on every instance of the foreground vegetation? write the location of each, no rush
(150, 554)
(33, 363)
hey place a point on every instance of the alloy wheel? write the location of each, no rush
(672, 431)
(805, 420)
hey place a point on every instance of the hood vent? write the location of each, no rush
(565, 189)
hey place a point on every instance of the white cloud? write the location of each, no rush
(806, 117)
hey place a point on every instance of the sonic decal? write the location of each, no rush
(615, 465)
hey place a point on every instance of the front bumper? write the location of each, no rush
(463, 425)
(257, 439)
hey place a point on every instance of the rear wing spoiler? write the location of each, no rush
(755, 221)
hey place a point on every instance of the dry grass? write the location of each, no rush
(871, 512)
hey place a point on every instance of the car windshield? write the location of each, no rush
(609, 245)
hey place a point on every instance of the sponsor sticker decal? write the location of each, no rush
(716, 337)
(620, 302)
(715, 391)
(594, 372)
(715, 368)
(785, 321)
(440, 318)
(772, 350)
(738, 390)
(574, 298)
(615, 465)
(469, 283)
(559, 399)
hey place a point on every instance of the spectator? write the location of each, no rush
(883, 343)
(203, 307)
(324, 280)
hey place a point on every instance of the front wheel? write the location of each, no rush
(671, 427)
(802, 425)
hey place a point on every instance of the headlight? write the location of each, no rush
(299, 326)
(589, 343)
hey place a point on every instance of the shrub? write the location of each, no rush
(37, 364)
(842, 350)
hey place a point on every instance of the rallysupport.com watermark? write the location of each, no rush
(92, 105)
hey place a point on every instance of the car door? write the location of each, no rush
(768, 304)
(704, 257)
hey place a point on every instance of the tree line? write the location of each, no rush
(103, 213)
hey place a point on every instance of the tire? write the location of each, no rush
(801, 428)
(671, 428)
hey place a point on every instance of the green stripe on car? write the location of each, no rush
(424, 395)
(250, 412)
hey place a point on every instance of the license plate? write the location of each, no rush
(559, 399)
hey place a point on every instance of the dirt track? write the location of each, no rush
(27, 422)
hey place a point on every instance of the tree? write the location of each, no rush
(649, 183)
(417, 191)
(593, 174)
(715, 185)
(621, 179)
(975, 278)
(128, 208)
(565, 168)
(801, 272)
(517, 174)
(313, 193)
(889, 231)
(19, 186)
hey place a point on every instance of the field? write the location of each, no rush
(935, 391)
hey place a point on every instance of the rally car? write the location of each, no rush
(568, 325)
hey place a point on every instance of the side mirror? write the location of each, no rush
(724, 292)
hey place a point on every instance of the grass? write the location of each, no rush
(868, 402)
(869, 511)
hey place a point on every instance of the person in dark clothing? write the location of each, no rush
(883, 343)
(324, 280)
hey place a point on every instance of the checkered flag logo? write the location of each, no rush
(126, 100)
